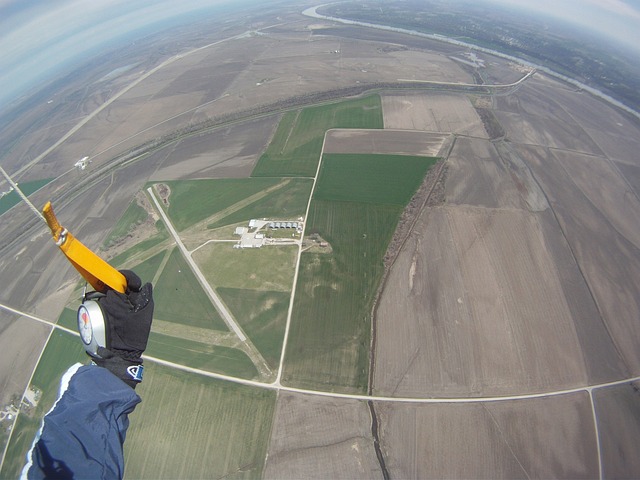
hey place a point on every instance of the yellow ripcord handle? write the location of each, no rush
(94, 269)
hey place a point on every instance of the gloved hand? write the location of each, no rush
(128, 319)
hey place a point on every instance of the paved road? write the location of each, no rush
(222, 309)
(274, 386)
(297, 269)
(483, 85)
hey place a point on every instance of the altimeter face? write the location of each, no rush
(84, 325)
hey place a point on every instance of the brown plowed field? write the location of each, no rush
(602, 240)
(541, 438)
(477, 175)
(20, 352)
(391, 142)
(226, 153)
(476, 305)
(432, 113)
(618, 412)
(316, 437)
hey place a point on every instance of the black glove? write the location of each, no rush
(128, 319)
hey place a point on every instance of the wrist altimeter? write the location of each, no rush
(93, 326)
(92, 323)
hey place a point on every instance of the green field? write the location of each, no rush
(191, 426)
(133, 215)
(384, 179)
(266, 268)
(144, 246)
(179, 298)
(296, 147)
(213, 358)
(194, 200)
(356, 207)
(68, 318)
(263, 316)
(188, 426)
(148, 269)
(27, 188)
(330, 329)
(62, 351)
(288, 202)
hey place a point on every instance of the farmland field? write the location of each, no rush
(295, 149)
(11, 199)
(287, 202)
(266, 268)
(262, 315)
(533, 438)
(68, 318)
(598, 214)
(133, 215)
(383, 179)
(195, 309)
(201, 428)
(618, 413)
(194, 200)
(319, 437)
(384, 142)
(141, 247)
(330, 329)
(213, 358)
(356, 207)
(432, 113)
(486, 259)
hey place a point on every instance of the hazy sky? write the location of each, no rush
(617, 19)
(36, 36)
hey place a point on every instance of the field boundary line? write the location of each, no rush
(353, 396)
(483, 85)
(597, 434)
(384, 399)
(505, 440)
(297, 269)
(440, 165)
(33, 372)
(293, 124)
(163, 264)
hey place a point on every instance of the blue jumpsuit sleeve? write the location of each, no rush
(82, 435)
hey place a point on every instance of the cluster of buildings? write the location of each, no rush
(253, 236)
(275, 225)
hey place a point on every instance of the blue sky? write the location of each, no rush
(37, 36)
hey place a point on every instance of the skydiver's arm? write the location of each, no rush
(82, 435)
